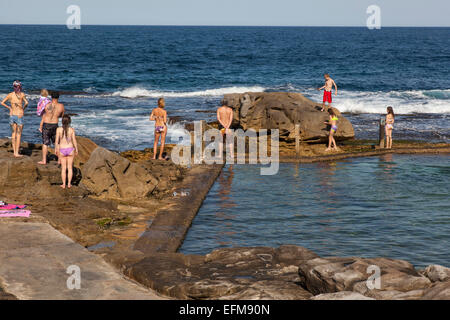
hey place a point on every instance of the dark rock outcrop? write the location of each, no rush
(282, 110)
(108, 175)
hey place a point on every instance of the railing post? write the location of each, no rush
(382, 133)
(297, 139)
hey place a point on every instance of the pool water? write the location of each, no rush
(394, 206)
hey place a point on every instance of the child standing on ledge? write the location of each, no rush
(66, 148)
(329, 83)
(390, 118)
(333, 123)
(43, 102)
(159, 115)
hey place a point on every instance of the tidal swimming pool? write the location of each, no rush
(395, 206)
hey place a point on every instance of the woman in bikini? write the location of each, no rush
(333, 123)
(390, 118)
(159, 115)
(18, 103)
(66, 148)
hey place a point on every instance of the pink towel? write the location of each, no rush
(14, 213)
(12, 207)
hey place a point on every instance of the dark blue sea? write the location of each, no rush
(113, 75)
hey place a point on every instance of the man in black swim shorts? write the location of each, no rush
(53, 111)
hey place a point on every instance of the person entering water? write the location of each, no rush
(333, 123)
(390, 119)
(18, 103)
(329, 83)
(66, 149)
(159, 115)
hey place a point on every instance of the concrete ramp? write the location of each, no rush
(35, 258)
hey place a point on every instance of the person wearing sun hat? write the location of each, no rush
(18, 104)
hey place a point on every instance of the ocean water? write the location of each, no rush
(113, 75)
(394, 206)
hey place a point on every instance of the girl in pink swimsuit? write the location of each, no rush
(66, 148)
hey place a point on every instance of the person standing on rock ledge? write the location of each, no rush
(225, 118)
(66, 148)
(16, 113)
(50, 119)
(159, 115)
(329, 83)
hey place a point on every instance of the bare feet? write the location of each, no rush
(63, 186)
(18, 156)
(69, 186)
(42, 162)
(327, 149)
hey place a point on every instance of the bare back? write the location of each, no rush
(389, 119)
(225, 116)
(53, 111)
(159, 115)
(62, 140)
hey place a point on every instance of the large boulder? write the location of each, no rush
(85, 149)
(282, 110)
(17, 172)
(108, 175)
(436, 273)
(328, 275)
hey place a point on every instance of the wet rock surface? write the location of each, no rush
(286, 273)
(270, 273)
(235, 273)
(282, 110)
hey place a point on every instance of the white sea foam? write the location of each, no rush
(403, 102)
(139, 92)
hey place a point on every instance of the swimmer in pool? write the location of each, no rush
(159, 115)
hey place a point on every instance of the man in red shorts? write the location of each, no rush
(327, 91)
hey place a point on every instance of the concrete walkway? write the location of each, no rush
(34, 258)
